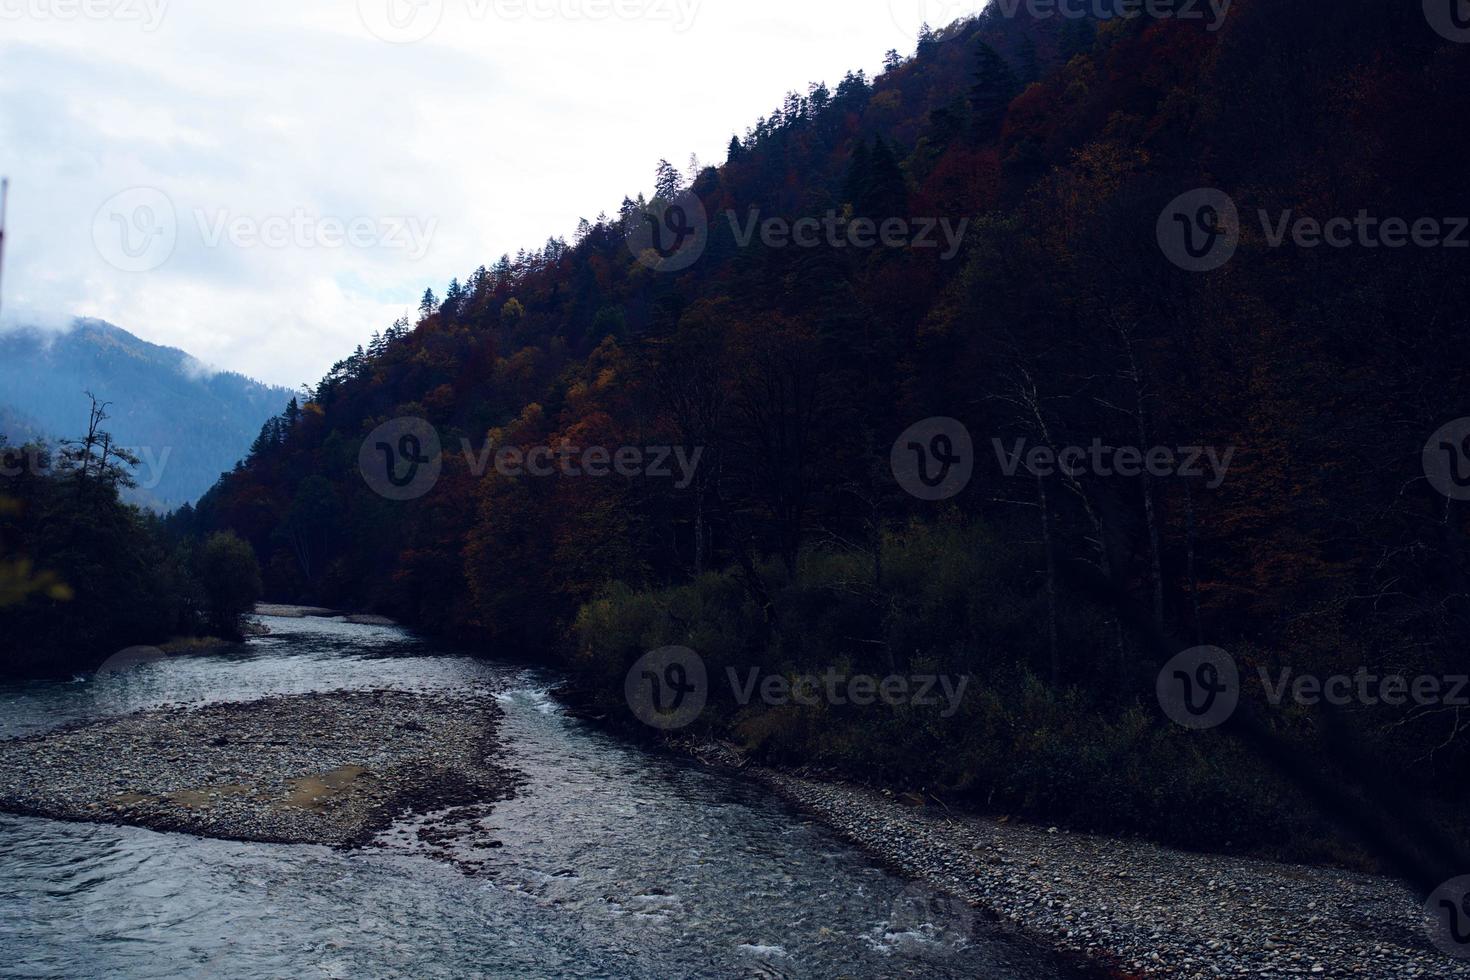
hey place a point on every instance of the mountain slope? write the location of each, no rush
(1314, 374)
(189, 424)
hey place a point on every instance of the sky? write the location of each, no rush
(265, 184)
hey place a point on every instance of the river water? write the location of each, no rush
(616, 862)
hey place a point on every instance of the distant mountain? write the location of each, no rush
(188, 424)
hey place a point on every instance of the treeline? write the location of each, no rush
(84, 575)
(1318, 373)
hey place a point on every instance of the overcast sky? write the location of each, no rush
(264, 184)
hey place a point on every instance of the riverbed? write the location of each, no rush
(607, 862)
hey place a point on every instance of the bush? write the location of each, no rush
(230, 577)
(953, 600)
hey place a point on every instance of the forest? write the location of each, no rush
(85, 576)
(1312, 378)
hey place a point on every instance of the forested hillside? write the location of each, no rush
(188, 424)
(1309, 379)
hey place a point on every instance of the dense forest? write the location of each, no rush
(84, 575)
(1313, 375)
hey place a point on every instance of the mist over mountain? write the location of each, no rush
(187, 422)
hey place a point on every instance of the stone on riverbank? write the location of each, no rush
(1140, 908)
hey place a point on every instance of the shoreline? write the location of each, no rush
(340, 768)
(289, 611)
(1129, 908)
(1126, 907)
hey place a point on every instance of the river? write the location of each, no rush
(616, 862)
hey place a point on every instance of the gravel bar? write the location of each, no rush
(333, 768)
(1140, 909)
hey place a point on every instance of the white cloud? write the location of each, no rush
(500, 129)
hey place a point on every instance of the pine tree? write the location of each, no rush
(1030, 61)
(886, 190)
(667, 181)
(854, 187)
(927, 39)
(991, 95)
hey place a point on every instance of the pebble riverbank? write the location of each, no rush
(1140, 909)
(335, 768)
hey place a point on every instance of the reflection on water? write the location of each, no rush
(615, 862)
